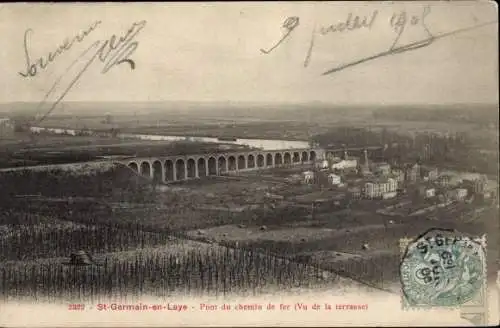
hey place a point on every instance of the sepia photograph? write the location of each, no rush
(275, 163)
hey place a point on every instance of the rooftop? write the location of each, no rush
(379, 180)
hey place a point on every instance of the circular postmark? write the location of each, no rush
(440, 268)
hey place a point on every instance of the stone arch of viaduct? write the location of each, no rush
(185, 167)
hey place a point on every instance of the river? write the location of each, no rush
(265, 144)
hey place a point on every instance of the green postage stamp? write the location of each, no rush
(441, 268)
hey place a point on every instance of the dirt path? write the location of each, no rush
(294, 234)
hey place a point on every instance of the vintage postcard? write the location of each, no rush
(249, 164)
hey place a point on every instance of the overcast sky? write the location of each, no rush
(211, 52)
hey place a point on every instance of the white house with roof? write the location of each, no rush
(377, 188)
(334, 179)
(345, 164)
(308, 176)
(323, 164)
(382, 168)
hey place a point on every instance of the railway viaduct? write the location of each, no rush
(186, 167)
(168, 169)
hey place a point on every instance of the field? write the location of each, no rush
(136, 254)
(154, 264)
(211, 237)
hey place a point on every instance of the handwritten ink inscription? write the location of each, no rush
(289, 25)
(400, 22)
(111, 52)
(351, 24)
(42, 62)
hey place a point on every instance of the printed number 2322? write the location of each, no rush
(76, 307)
